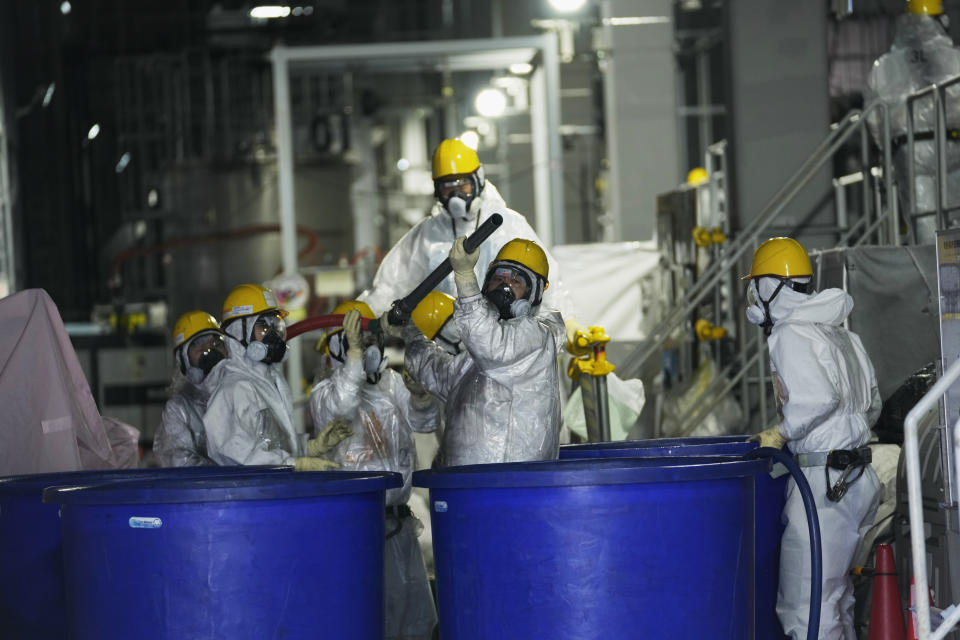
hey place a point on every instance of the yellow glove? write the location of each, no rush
(329, 437)
(314, 464)
(463, 264)
(770, 438)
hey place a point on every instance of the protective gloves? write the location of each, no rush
(390, 330)
(351, 331)
(463, 264)
(769, 438)
(420, 398)
(329, 437)
(314, 464)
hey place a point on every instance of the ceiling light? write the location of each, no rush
(122, 162)
(491, 103)
(521, 68)
(93, 132)
(567, 6)
(471, 139)
(631, 21)
(403, 164)
(267, 11)
(65, 7)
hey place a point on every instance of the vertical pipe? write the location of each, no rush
(941, 133)
(541, 157)
(288, 216)
(865, 201)
(911, 173)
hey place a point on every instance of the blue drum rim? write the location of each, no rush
(35, 483)
(234, 488)
(658, 443)
(590, 471)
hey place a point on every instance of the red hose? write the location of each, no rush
(320, 322)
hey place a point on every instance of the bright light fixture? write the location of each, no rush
(403, 164)
(267, 11)
(122, 162)
(48, 94)
(491, 103)
(567, 6)
(521, 68)
(471, 139)
(65, 7)
(93, 132)
(632, 21)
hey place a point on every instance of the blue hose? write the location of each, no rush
(813, 524)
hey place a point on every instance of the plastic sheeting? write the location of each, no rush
(921, 55)
(625, 399)
(51, 422)
(605, 281)
(894, 290)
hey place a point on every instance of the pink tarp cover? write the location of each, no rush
(49, 420)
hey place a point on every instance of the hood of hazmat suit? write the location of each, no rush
(502, 393)
(249, 417)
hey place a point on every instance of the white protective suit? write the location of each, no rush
(249, 417)
(502, 393)
(428, 244)
(921, 54)
(828, 397)
(180, 440)
(382, 419)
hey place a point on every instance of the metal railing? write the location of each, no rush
(734, 250)
(918, 544)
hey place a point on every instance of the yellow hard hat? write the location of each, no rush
(249, 300)
(342, 309)
(528, 253)
(783, 257)
(190, 324)
(432, 313)
(697, 176)
(452, 157)
(925, 7)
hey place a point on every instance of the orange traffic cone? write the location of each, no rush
(912, 633)
(886, 612)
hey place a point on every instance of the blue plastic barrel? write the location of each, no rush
(601, 548)
(770, 499)
(31, 567)
(292, 556)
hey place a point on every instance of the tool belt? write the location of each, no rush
(399, 513)
(847, 461)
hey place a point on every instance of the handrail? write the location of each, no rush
(911, 453)
(839, 134)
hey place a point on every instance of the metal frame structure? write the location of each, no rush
(447, 55)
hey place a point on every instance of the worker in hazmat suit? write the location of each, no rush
(249, 417)
(828, 399)
(465, 200)
(372, 399)
(921, 54)
(501, 393)
(198, 346)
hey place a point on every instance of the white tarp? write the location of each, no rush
(605, 282)
(50, 420)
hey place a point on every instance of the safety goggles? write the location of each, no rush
(203, 343)
(269, 321)
(447, 187)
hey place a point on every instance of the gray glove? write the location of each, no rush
(388, 329)
(351, 331)
(329, 437)
(463, 264)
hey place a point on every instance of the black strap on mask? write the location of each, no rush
(799, 287)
